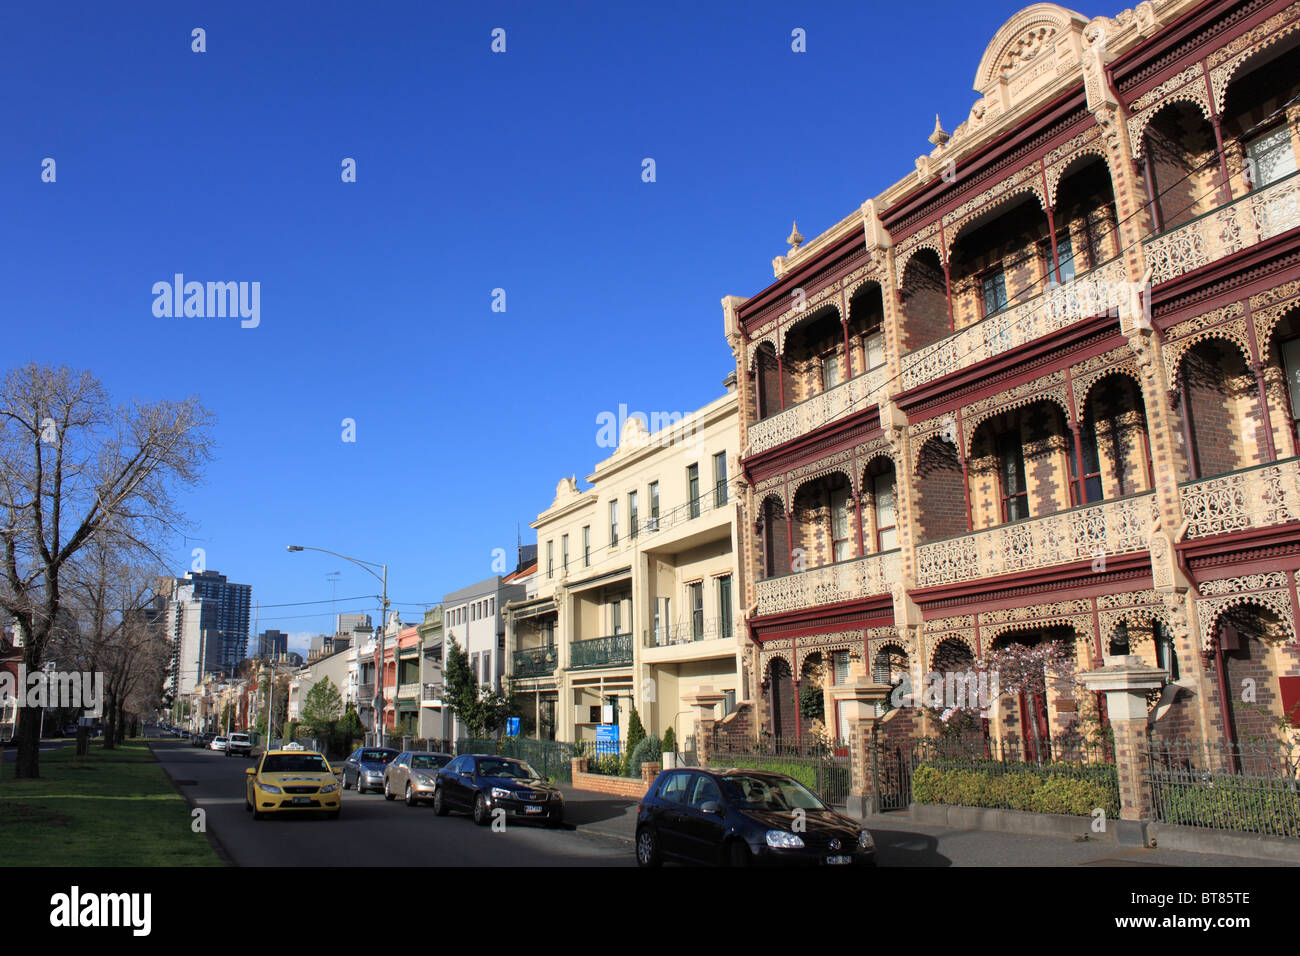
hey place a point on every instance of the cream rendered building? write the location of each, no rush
(637, 596)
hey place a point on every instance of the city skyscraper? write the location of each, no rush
(224, 614)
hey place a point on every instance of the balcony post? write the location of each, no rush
(1051, 230)
(965, 487)
(1076, 433)
(1269, 448)
(857, 504)
(1225, 185)
(848, 356)
(780, 377)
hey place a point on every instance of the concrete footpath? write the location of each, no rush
(902, 842)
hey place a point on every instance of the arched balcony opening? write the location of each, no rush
(1115, 450)
(1282, 383)
(767, 381)
(1146, 637)
(814, 694)
(774, 538)
(879, 506)
(1020, 465)
(1251, 648)
(1262, 141)
(1027, 685)
(939, 491)
(1217, 400)
(824, 527)
(997, 260)
(814, 357)
(1180, 166)
(866, 331)
(923, 295)
(1087, 232)
(779, 699)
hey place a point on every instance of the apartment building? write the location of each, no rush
(1045, 386)
(637, 599)
(473, 618)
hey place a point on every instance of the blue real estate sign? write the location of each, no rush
(512, 726)
(607, 738)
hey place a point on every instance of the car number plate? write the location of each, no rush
(301, 801)
(839, 860)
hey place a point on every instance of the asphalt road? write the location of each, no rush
(371, 831)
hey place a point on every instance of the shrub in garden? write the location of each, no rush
(647, 751)
(670, 742)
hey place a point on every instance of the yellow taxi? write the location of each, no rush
(292, 781)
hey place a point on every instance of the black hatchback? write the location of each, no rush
(743, 817)
(483, 784)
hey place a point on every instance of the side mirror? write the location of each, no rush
(710, 806)
(250, 772)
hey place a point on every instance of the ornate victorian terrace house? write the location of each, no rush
(964, 427)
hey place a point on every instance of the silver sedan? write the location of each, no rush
(413, 775)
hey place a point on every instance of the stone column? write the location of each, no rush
(1126, 683)
(856, 703)
(704, 704)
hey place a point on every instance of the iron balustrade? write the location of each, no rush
(601, 651)
(535, 662)
(1251, 788)
(1244, 222)
(686, 632)
(1256, 497)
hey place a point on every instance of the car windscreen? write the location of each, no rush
(295, 763)
(377, 756)
(770, 793)
(513, 769)
(427, 762)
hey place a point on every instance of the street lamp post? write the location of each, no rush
(377, 702)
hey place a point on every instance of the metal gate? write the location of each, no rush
(891, 766)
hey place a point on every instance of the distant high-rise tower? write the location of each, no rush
(224, 614)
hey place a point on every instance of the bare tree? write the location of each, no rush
(73, 467)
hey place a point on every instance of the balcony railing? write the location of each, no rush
(432, 692)
(535, 662)
(601, 651)
(365, 693)
(1258, 497)
(408, 691)
(1090, 532)
(1089, 294)
(829, 584)
(686, 632)
(854, 395)
(1240, 224)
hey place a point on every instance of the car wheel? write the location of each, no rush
(410, 796)
(647, 848)
(439, 804)
(388, 794)
(738, 854)
(258, 814)
(247, 806)
(346, 785)
(481, 811)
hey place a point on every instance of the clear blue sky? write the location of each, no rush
(475, 171)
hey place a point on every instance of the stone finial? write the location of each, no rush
(938, 137)
(794, 239)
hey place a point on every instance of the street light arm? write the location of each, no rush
(368, 566)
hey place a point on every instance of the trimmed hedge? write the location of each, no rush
(1036, 789)
(837, 777)
(1230, 803)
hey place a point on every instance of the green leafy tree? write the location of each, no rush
(812, 704)
(635, 734)
(669, 742)
(460, 687)
(322, 707)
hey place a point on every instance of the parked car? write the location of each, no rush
(481, 784)
(239, 745)
(218, 743)
(364, 768)
(739, 817)
(414, 775)
(292, 781)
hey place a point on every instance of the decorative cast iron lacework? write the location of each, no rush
(1258, 497)
(829, 584)
(601, 651)
(1242, 223)
(854, 395)
(534, 662)
(1080, 534)
(1091, 294)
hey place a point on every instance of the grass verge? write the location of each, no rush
(111, 808)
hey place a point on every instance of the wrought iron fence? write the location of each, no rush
(601, 651)
(1246, 787)
(550, 758)
(1059, 775)
(820, 764)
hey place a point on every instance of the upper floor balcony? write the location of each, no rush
(1250, 499)
(698, 628)
(1246, 221)
(431, 693)
(535, 662)
(1089, 294)
(822, 409)
(408, 693)
(829, 584)
(609, 651)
